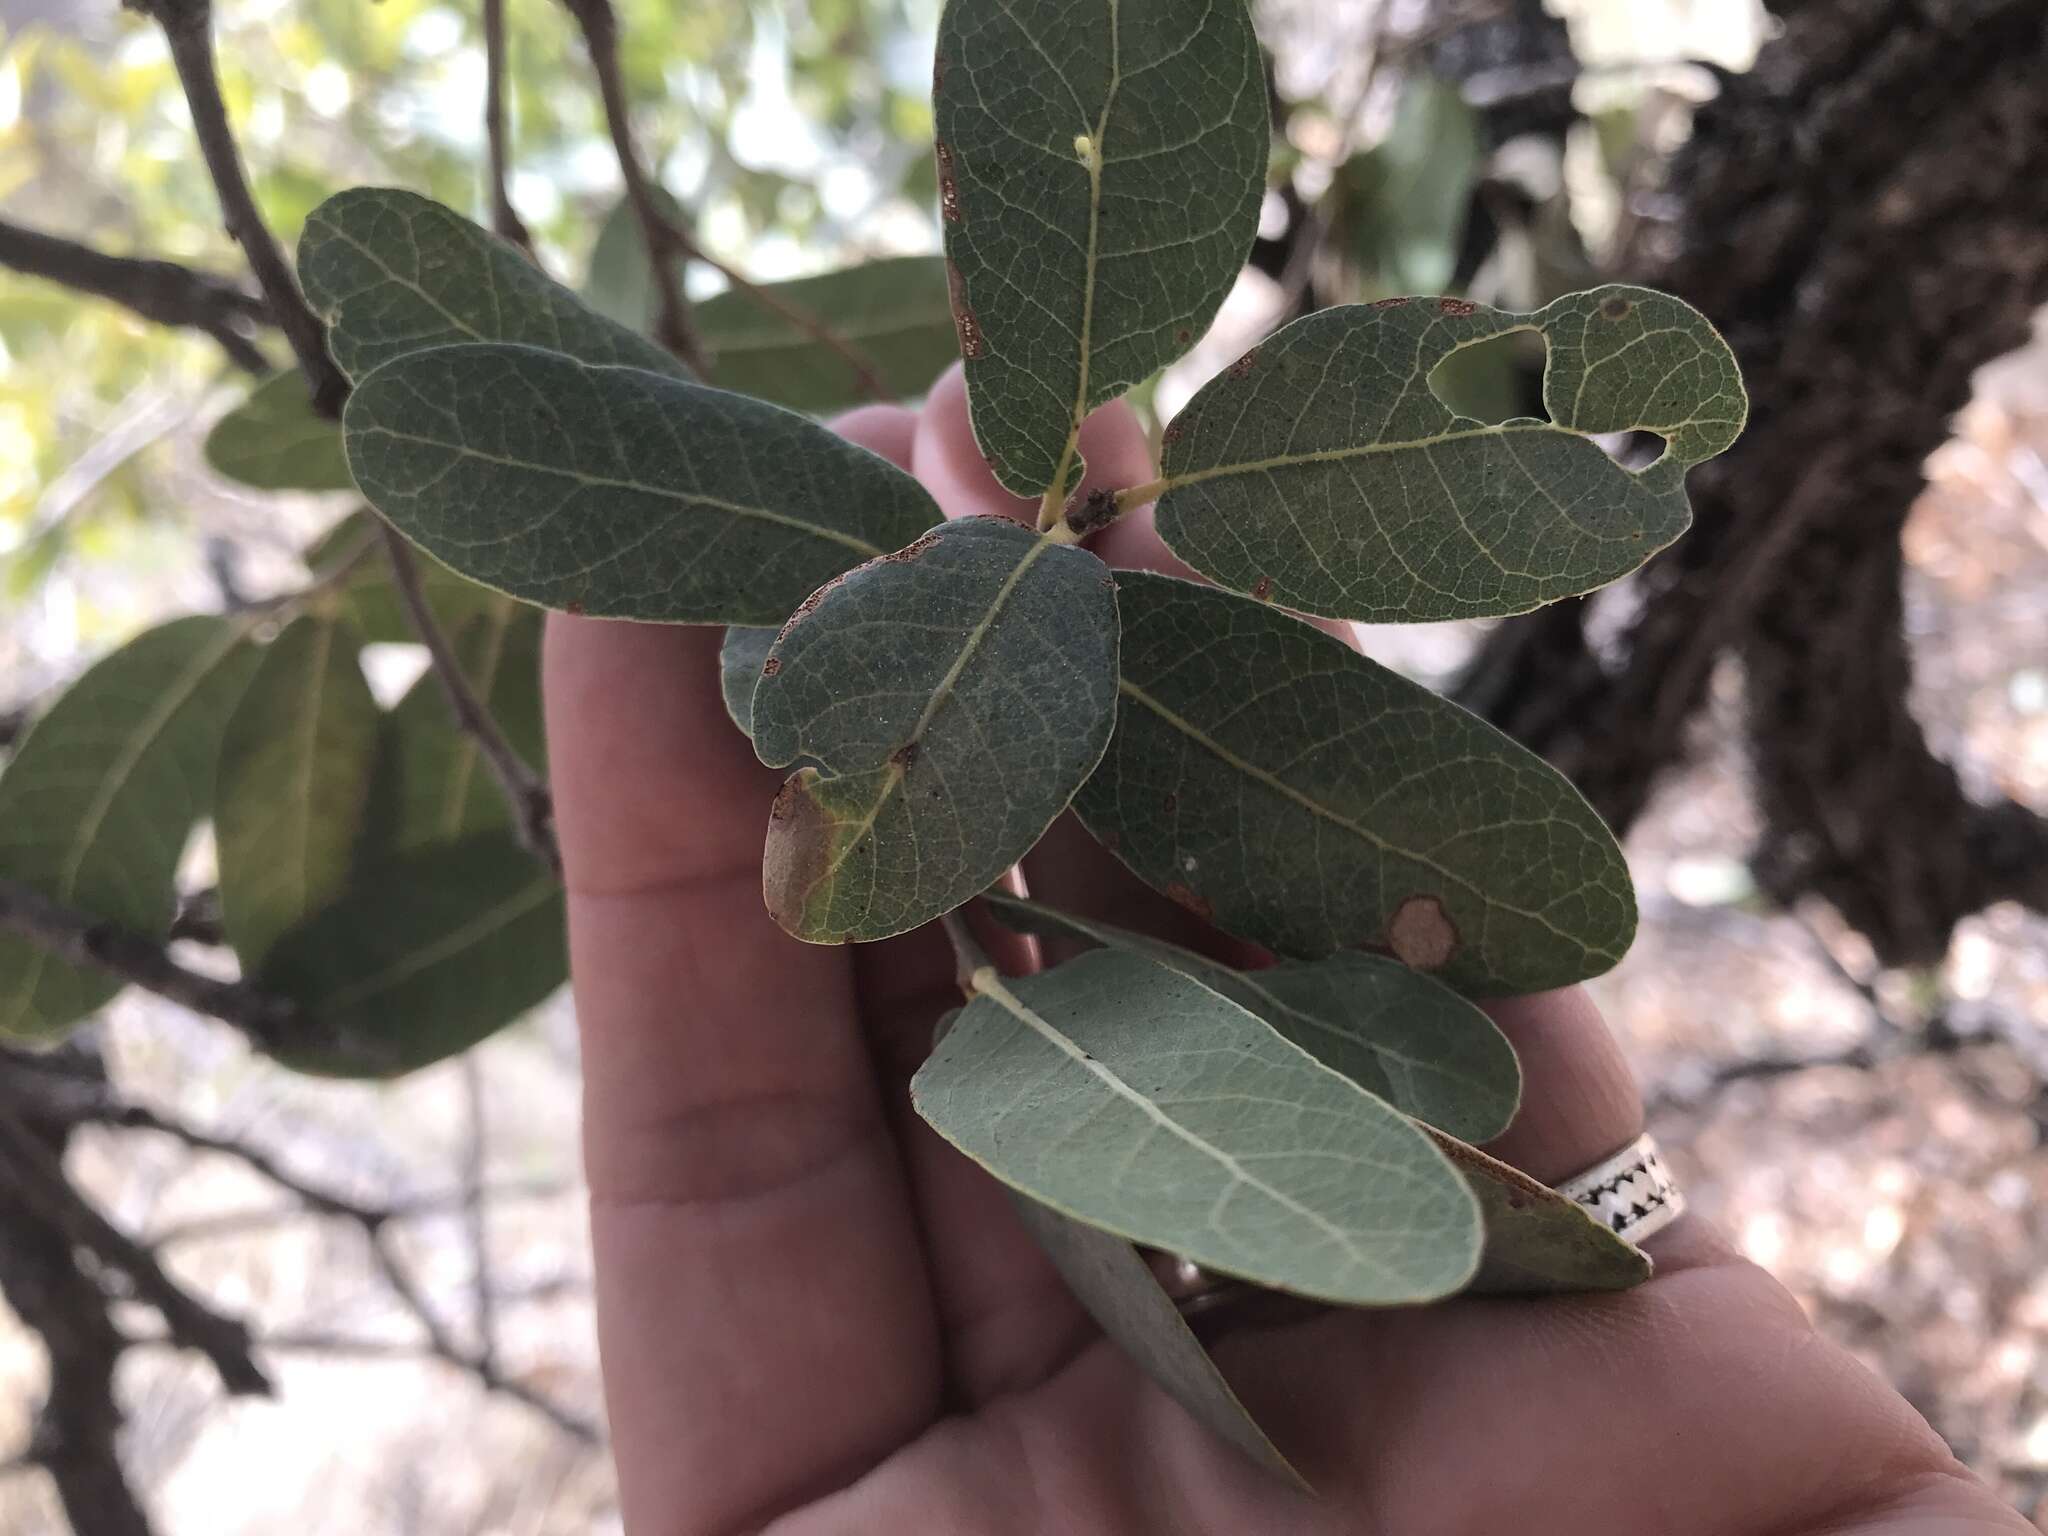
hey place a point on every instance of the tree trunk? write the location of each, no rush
(1865, 217)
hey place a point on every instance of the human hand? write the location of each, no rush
(816, 1317)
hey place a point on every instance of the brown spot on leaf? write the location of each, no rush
(1183, 335)
(964, 323)
(1389, 304)
(905, 756)
(1615, 307)
(771, 666)
(1171, 803)
(809, 606)
(1456, 306)
(1244, 365)
(1171, 435)
(938, 72)
(909, 552)
(1184, 895)
(801, 838)
(1422, 934)
(1262, 588)
(573, 607)
(949, 189)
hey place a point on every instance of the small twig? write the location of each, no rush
(121, 952)
(237, 1223)
(533, 809)
(162, 292)
(188, 31)
(673, 328)
(375, 1223)
(37, 1178)
(475, 1218)
(505, 220)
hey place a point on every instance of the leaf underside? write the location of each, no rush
(1538, 1242)
(1321, 473)
(1133, 1098)
(392, 272)
(617, 492)
(1391, 1030)
(1270, 778)
(296, 759)
(954, 695)
(98, 800)
(1100, 169)
(1112, 1280)
(422, 957)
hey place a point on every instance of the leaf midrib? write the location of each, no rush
(187, 683)
(482, 926)
(607, 482)
(988, 983)
(942, 693)
(1097, 157)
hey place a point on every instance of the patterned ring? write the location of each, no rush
(1630, 1193)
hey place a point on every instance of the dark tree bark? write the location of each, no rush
(1865, 217)
(77, 1431)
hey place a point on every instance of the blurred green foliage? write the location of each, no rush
(799, 135)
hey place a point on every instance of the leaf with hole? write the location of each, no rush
(98, 800)
(274, 441)
(1100, 170)
(422, 957)
(432, 784)
(392, 272)
(1131, 1097)
(1538, 1242)
(955, 694)
(1320, 471)
(1270, 778)
(617, 492)
(1112, 1280)
(293, 783)
(1391, 1030)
